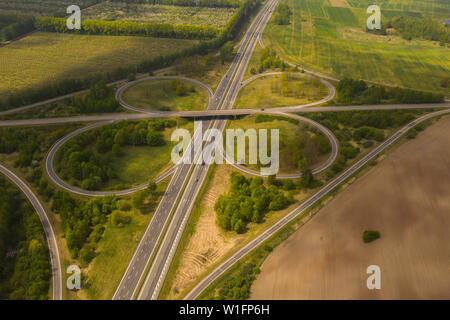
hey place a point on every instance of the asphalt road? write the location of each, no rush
(164, 256)
(136, 270)
(304, 206)
(48, 230)
(214, 113)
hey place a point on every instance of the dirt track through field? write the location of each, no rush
(407, 198)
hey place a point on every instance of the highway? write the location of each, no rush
(164, 256)
(48, 230)
(216, 273)
(136, 270)
(214, 113)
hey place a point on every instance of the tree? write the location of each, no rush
(226, 51)
(282, 14)
(119, 219)
(154, 138)
(139, 198)
(152, 187)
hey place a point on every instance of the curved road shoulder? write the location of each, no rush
(49, 234)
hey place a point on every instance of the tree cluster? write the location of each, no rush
(421, 28)
(360, 126)
(238, 288)
(268, 59)
(85, 158)
(248, 200)
(14, 25)
(282, 14)
(189, 3)
(82, 222)
(100, 99)
(115, 28)
(24, 259)
(351, 91)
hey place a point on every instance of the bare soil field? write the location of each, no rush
(209, 242)
(406, 198)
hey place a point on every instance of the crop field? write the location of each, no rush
(332, 40)
(149, 13)
(43, 7)
(43, 57)
(435, 8)
(160, 95)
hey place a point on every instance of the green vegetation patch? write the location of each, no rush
(248, 200)
(14, 25)
(351, 91)
(49, 57)
(317, 39)
(157, 13)
(282, 90)
(116, 156)
(166, 95)
(360, 130)
(370, 235)
(301, 146)
(25, 270)
(43, 7)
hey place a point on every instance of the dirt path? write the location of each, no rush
(407, 198)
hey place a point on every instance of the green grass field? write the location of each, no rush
(150, 13)
(159, 95)
(434, 8)
(42, 57)
(289, 134)
(139, 164)
(267, 92)
(332, 40)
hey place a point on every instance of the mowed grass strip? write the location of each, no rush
(162, 95)
(315, 40)
(42, 57)
(156, 13)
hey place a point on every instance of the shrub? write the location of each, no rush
(370, 235)
(123, 205)
(412, 133)
(119, 219)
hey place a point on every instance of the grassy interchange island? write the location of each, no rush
(166, 95)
